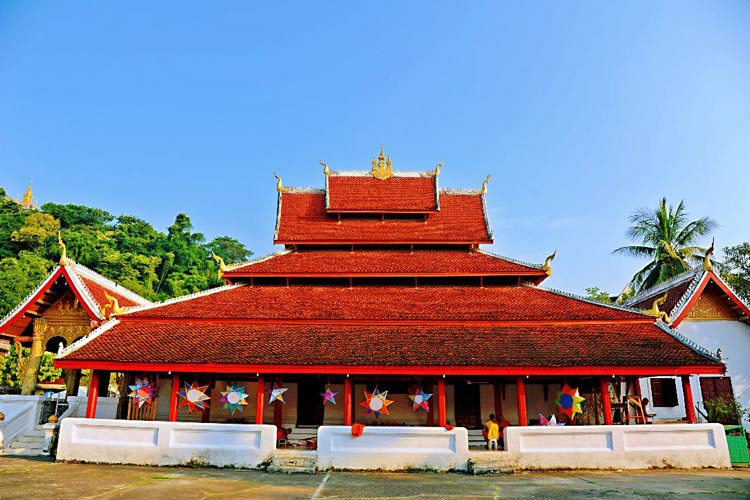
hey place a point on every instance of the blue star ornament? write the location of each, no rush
(420, 400)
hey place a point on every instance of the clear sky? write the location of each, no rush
(581, 111)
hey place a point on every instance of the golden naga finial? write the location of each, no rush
(707, 264)
(279, 187)
(382, 168)
(548, 263)
(27, 200)
(436, 172)
(326, 170)
(222, 267)
(63, 250)
(484, 184)
(113, 305)
(658, 313)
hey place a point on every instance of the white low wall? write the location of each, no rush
(681, 446)
(393, 448)
(105, 407)
(165, 443)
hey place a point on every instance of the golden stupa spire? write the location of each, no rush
(382, 168)
(28, 198)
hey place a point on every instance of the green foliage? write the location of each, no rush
(47, 371)
(666, 238)
(735, 269)
(725, 411)
(10, 376)
(593, 293)
(125, 249)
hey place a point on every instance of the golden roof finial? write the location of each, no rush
(548, 263)
(279, 187)
(222, 267)
(63, 250)
(113, 305)
(484, 184)
(656, 312)
(707, 264)
(326, 170)
(28, 198)
(381, 168)
(436, 172)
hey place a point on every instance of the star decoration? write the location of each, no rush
(277, 393)
(329, 395)
(233, 399)
(552, 422)
(194, 396)
(376, 402)
(569, 401)
(419, 400)
(142, 392)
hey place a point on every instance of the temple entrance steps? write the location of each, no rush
(476, 440)
(293, 461)
(29, 442)
(303, 433)
(490, 462)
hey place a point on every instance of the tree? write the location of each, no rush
(667, 238)
(229, 249)
(735, 269)
(36, 229)
(594, 293)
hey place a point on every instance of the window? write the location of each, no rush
(716, 387)
(663, 392)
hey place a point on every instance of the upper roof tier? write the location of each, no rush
(360, 192)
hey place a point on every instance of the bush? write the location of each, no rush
(725, 411)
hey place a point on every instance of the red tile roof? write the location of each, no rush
(383, 262)
(625, 345)
(387, 303)
(674, 295)
(99, 291)
(364, 193)
(303, 219)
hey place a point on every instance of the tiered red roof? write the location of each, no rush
(415, 193)
(303, 219)
(369, 262)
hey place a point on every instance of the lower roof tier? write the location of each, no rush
(386, 303)
(604, 349)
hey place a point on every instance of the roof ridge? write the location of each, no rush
(697, 279)
(303, 190)
(459, 191)
(689, 343)
(510, 259)
(88, 338)
(262, 258)
(85, 292)
(659, 287)
(104, 281)
(366, 173)
(182, 298)
(590, 301)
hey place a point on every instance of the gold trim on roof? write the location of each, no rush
(63, 250)
(382, 168)
(707, 264)
(658, 313)
(436, 172)
(326, 170)
(279, 187)
(113, 305)
(484, 184)
(222, 267)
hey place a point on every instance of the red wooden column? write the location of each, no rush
(441, 403)
(174, 397)
(93, 394)
(689, 404)
(521, 390)
(606, 403)
(348, 393)
(259, 401)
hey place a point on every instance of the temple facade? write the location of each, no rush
(382, 308)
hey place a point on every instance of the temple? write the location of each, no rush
(382, 308)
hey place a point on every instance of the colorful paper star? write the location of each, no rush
(234, 398)
(419, 400)
(142, 392)
(569, 401)
(277, 393)
(194, 396)
(329, 395)
(552, 422)
(376, 402)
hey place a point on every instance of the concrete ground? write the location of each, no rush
(24, 478)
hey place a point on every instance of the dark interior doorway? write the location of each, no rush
(310, 402)
(468, 412)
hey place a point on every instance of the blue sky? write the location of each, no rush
(581, 111)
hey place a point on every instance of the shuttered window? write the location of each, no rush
(664, 392)
(716, 387)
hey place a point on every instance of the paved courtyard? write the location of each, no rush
(24, 478)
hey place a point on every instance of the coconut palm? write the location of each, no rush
(668, 239)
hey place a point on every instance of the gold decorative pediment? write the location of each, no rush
(382, 168)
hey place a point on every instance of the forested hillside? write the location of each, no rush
(123, 248)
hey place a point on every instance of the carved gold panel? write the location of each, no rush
(709, 307)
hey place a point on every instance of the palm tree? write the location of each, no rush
(668, 239)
